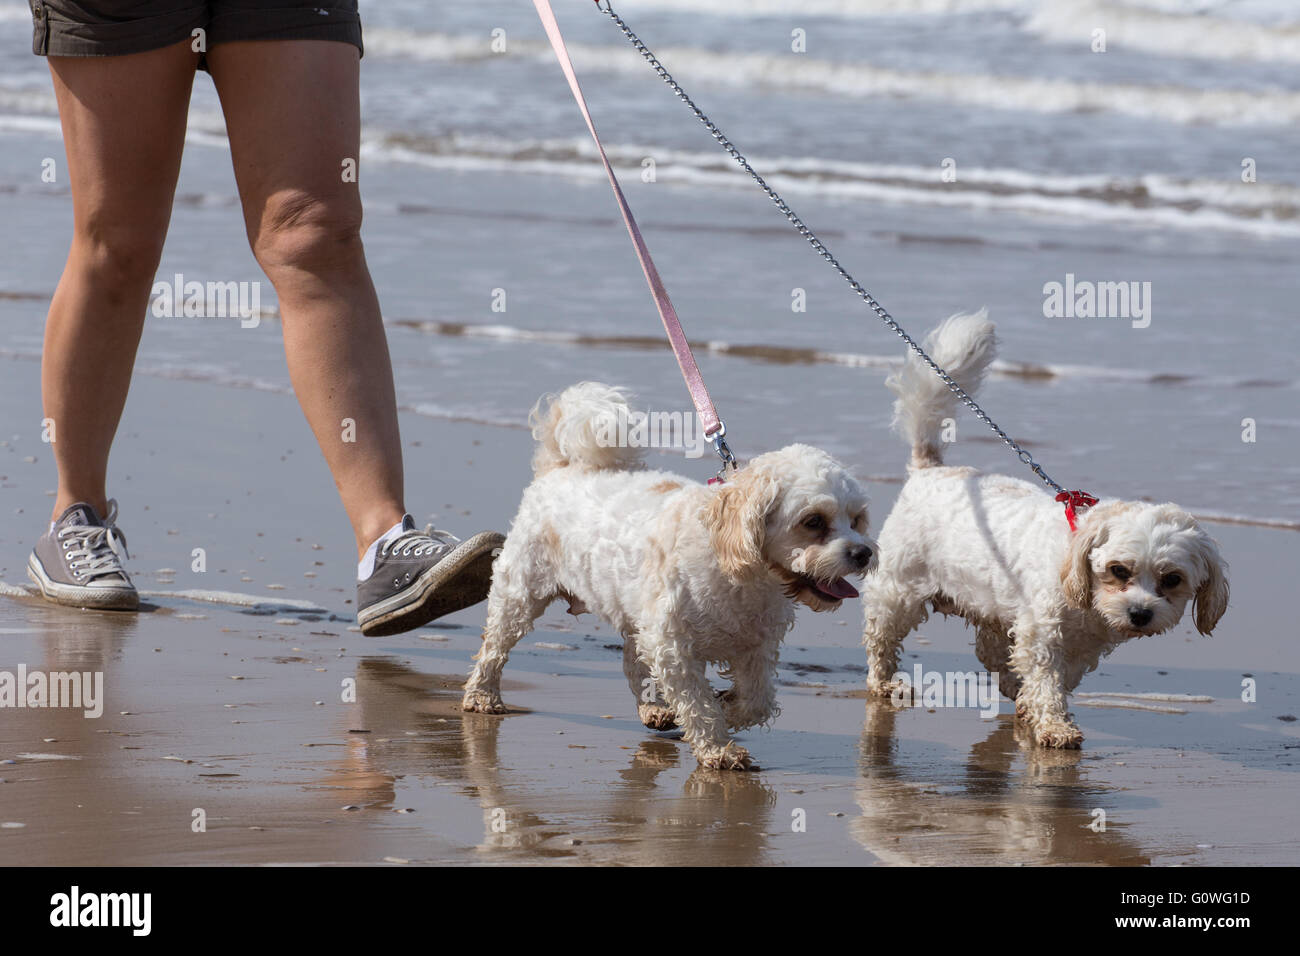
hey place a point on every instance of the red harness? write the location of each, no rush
(1075, 499)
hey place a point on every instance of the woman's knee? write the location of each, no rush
(306, 233)
(121, 257)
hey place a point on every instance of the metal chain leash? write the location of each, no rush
(606, 7)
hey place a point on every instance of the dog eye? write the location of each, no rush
(814, 523)
(1170, 581)
(1119, 571)
(859, 521)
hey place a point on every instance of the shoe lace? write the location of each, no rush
(431, 541)
(96, 550)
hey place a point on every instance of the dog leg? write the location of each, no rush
(685, 686)
(1040, 660)
(513, 606)
(650, 706)
(751, 701)
(891, 611)
(993, 648)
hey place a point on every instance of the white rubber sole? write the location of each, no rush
(78, 595)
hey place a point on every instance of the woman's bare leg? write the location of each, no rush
(293, 114)
(122, 165)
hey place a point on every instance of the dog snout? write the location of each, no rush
(1140, 616)
(859, 555)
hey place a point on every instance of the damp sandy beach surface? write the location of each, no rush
(223, 702)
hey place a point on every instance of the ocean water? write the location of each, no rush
(1122, 166)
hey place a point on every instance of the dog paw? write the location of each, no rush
(894, 690)
(732, 705)
(657, 717)
(1059, 736)
(482, 702)
(731, 757)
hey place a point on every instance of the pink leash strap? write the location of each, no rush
(713, 426)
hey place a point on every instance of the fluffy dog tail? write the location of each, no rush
(585, 427)
(964, 346)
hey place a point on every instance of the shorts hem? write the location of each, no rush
(56, 35)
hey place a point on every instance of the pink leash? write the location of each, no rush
(714, 429)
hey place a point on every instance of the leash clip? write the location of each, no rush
(719, 439)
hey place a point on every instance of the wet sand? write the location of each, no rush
(236, 709)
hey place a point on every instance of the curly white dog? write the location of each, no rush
(689, 574)
(1047, 605)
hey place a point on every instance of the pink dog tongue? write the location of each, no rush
(841, 589)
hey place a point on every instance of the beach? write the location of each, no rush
(245, 720)
(225, 695)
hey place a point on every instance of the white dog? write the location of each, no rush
(689, 574)
(1047, 604)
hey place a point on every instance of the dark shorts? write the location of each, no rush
(116, 27)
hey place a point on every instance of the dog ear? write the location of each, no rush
(736, 518)
(1212, 595)
(1076, 573)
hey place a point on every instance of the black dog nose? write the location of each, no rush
(859, 555)
(1140, 616)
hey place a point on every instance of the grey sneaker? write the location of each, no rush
(422, 575)
(79, 563)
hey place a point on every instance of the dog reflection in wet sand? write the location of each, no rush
(689, 574)
(1007, 801)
